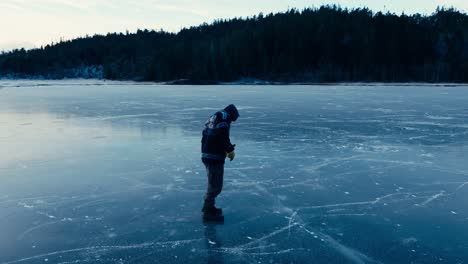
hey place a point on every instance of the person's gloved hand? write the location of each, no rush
(231, 155)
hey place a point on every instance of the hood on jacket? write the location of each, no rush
(231, 110)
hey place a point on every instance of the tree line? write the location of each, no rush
(326, 44)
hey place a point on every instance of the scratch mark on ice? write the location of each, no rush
(432, 198)
(107, 248)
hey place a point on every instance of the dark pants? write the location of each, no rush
(215, 173)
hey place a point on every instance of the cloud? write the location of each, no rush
(11, 5)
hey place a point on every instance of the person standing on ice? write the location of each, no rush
(216, 146)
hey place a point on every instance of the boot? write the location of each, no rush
(212, 210)
(212, 214)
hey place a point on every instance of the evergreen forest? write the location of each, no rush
(326, 44)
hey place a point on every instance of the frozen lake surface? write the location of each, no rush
(108, 172)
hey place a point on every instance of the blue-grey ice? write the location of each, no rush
(110, 172)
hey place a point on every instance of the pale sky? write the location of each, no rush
(32, 23)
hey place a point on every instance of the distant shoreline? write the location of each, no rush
(79, 82)
(312, 46)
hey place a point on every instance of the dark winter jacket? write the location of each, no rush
(215, 141)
